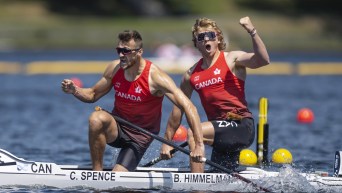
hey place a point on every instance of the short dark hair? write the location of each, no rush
(128, 35)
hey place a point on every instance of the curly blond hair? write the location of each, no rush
(205, 23)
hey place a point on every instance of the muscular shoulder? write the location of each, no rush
(159, 81)
(155, 71)
(111, 69)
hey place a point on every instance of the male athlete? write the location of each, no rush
(219, 78)
(139, 89)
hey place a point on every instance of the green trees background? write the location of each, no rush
(285, 25)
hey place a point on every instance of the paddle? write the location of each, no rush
(209, 162)
(158, 159)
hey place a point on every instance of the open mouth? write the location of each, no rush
(208, 47)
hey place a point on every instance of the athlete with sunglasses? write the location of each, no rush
(139, 87)
(219, 78)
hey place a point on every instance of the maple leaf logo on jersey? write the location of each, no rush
(196, 78)
(117, 84)
(217, 71)
(138, 89)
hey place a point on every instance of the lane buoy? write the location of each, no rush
(282, 156)
(247, 157)
(181, 134)
(305, 115)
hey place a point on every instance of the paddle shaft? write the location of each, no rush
(157, 137)
(209, 162)
(158, 159)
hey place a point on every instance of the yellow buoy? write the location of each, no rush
(282, 156)
(248, 157)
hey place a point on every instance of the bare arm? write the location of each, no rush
(176, 115)
(91, 95)
(182, 103)
(260, 55)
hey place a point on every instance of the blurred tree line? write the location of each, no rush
(120, 8)
(286, 24)
(295, 8)
(186, 7)
(326, 10)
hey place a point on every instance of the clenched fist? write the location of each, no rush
(68, 86)
(246, 23)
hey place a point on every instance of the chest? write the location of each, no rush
(213, 76)
(137, 90)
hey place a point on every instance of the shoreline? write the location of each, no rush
(172, 67)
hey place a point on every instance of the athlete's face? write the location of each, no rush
(207, 41)
(129, 54)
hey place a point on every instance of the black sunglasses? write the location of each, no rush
(125, 51)
(210, 34)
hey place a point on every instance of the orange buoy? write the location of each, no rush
(305, 115)
(181, 134)
(77, 81)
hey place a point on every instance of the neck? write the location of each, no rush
(133, 72)
(209, 60)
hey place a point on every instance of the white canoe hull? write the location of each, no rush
(19, 172)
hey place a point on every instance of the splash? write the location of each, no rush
(288, 180)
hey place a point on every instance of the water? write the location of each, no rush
(39, 122)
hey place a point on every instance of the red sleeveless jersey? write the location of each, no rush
(135, 103)
(220, 90)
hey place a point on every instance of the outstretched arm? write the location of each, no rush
(260, 56)
(90, 95)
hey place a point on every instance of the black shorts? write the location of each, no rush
(230, 138)
(131, 152)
